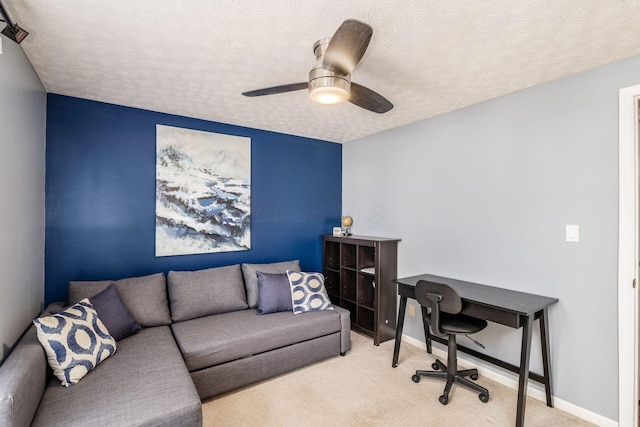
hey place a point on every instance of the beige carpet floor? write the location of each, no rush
(362, 389)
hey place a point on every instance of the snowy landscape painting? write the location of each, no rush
(203, 192)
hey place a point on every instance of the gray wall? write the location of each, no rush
(483, 194)
(22, 140)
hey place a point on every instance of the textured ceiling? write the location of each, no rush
(194, 58)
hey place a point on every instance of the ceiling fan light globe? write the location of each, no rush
(329, 90)
(329, 95)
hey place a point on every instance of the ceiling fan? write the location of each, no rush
(330, 78)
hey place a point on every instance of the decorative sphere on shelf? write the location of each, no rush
(347, 222)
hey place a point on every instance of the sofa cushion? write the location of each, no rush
(211, 340)
(308, 292)
(251, 281)
(203, 292)
(23, 377)
(114, 314)
(145, 383)
(75, 341)
(145, 297)
(274, 293)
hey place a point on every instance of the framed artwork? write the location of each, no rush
(203, 192)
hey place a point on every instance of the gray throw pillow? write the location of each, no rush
(113, 313)
(251, 281)
(145, 297)
(274, 293)
(204, 292)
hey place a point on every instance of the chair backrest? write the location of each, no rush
(427, 293)
(438, 297)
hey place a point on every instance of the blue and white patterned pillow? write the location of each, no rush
(308, 292)
(75, 341)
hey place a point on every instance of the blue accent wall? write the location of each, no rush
(100, 195)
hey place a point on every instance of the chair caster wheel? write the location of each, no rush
(484, 398)
(444, 399)
(435, 366)
(415, 378)
(474, 377)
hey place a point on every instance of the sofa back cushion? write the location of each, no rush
(251, 280)
(23, 377)
(145, 297)
(204, 292)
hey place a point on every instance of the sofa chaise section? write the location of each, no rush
(144, 383)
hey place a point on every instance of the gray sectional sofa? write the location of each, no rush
(201, 336)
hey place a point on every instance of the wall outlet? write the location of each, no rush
(412, 310)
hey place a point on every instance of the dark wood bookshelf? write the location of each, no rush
(358, 274)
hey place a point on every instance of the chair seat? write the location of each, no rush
(460, 324)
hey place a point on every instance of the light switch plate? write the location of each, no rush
(573, 233)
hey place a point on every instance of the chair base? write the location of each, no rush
(451, 375)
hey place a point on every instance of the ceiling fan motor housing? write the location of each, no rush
(326, 86)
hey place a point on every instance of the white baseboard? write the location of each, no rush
(504, 379)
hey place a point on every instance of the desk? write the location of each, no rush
(507, 307)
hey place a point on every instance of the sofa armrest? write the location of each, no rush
(345, 331)
(23, 377)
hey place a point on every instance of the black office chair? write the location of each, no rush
(446, 321)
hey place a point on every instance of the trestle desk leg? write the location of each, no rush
(525, 357)
(546, 360)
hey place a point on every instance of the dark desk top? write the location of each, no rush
(490, 296)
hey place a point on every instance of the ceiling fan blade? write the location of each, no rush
(347, 46)
(369, 100)
(277, 89)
